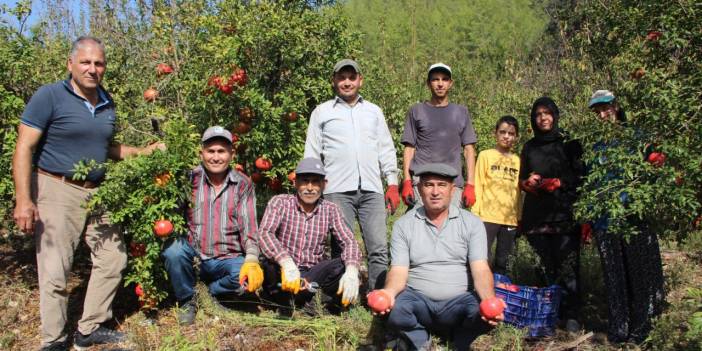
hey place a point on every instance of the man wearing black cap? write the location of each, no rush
(221, 229)
(351, 137)
(439, 131)
(436, 249)
(293, 235)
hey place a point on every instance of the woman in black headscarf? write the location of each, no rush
(551, 171)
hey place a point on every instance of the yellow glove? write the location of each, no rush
(251, 271)
(290, 276)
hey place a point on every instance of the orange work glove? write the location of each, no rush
(531, 184)
(585, 233)
(468, 195)
(408, 192)
(392, 198)
(550, 184)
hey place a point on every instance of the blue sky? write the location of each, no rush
(38, 8)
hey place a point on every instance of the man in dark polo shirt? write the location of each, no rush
(64, 124)
(439, 131)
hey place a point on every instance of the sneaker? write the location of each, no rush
(100, 336)
(186, 312)
(55, 346)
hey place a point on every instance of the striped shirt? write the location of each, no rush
(288, 231)
(222, 225)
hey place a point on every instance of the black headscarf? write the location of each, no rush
(555, 132)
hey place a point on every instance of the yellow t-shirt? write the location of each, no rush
(497, 194)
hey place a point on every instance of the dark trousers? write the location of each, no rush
(326, 273)
(633, 279)
(560, 257)
(505, 236)
(414, 316)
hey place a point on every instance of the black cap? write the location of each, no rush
(310, 165)
(439, 169)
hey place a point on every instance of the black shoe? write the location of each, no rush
(312, 308)
(186, 312)
(285, 312)
(55, 346)
(100, 336)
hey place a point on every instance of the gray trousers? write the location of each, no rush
(369, 208)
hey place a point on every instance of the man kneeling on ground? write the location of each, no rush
(292, 236)
(434, 250)
(221, 229)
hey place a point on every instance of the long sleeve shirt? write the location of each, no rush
(222, 224)
(288, 231)
(355, 145)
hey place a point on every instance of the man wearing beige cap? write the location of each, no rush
(351, 137)
(439, 131)
(221, 229)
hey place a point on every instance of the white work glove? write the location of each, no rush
(290, 276)
(348, 285)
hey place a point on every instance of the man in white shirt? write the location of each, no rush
(351, 137)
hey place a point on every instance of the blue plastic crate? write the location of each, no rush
(533, 308)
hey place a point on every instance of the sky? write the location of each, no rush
(38, 8)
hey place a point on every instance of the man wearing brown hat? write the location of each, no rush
(351, 137)
(221, 229)
(293, 235)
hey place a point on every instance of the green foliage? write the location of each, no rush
(286, 50)
(680, 327)
(12, 71)
(648, 54)
(141, 190)
(482, 41)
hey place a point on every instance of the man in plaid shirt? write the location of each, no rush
(293, 235)
(221, 229)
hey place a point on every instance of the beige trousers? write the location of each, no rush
(63, 220)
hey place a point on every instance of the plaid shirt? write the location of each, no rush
(288, 231)
(222, 225)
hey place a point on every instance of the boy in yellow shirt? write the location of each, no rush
(497, 192)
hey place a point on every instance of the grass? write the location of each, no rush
(253, 327)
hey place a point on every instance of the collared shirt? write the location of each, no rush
(222, 224)
(73, 130)
(288, 231)
(438, 258)
(355, 145)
